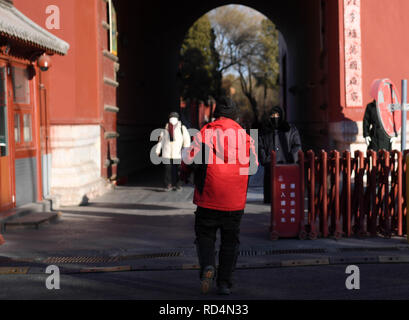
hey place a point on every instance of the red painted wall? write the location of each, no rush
(74, 87)
(384, 46)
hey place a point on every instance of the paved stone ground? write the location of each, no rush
(130, 222)
(136, 219)
(141, 217)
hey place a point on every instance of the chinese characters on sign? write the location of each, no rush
(287, 200)
(353, 58)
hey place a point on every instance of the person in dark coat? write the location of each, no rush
(375, 136)
(284, 139)
(221, 182)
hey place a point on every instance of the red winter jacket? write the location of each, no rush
(225, 150)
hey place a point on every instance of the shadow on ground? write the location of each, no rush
(130, 206)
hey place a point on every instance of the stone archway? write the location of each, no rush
(149, 42)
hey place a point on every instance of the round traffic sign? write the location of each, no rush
(385, 93)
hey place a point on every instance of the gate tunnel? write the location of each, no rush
(150, 37)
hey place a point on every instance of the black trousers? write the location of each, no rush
(172, 173)
(207, 222)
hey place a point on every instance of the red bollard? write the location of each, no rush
(1, 240)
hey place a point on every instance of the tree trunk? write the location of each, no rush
(254, 107)
(248, 92)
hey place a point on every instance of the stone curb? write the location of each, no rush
(5, 270)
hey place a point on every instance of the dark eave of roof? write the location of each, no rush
(16, 26)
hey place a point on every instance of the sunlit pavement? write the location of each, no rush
(149, 234)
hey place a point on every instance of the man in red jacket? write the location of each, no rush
(221, 157)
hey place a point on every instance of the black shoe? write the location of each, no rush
(223, 289)
(207, 279)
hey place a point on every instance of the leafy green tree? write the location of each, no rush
(199, 74)
(247, 43)
(267, 64)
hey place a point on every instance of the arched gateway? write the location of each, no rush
(112, 89)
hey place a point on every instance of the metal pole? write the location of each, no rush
(404, 100)
(407, 196)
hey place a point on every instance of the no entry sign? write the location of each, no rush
(386, 94)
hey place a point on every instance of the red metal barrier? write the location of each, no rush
(1, 240)
(371, 193)
(396, 192)
(303, 233)
(313, 234)
(335, 228)
(324, 195)
(360, 196)
(404, 204)
(346, 193)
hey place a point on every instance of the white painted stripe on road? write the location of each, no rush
(106, 269)
(304, 262)
(393, 259)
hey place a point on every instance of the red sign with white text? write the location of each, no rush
(287, 199)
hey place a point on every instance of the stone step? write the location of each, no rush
(21, 211)
(33, 219)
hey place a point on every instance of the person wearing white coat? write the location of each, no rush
(171, 141)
